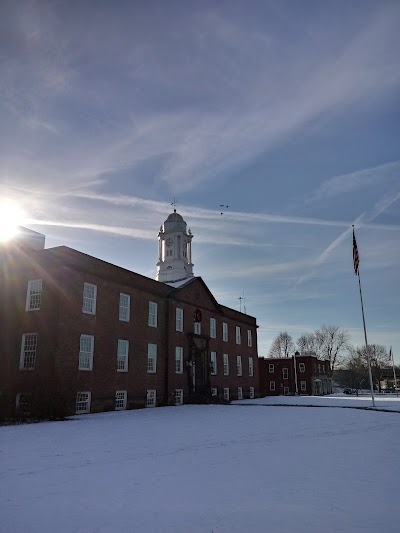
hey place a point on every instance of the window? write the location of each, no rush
(249, 338)
(83, 402)
(303, 385)
(224, 331)
(285, 373)
(151, 398)
(124, 307)
(251, 392)
(33, 295)
(302, 367)
(214, 391)
(285, 391)
(23, 403)
(178, 396)
(152, 321)
(178, 360)
(272, 385)
(238, 339)
(213, 363)
(179, 319)
(323, 369)
(226, 364)
(151, 358)
(271, 368)
(86, 352)
(239, 365)
(89, 298)
(226, 394)
(240, 393)
(197, 328)
(251, 368)
(122, 355)
(120, 400)
(319, 368)
(28, 351)
(213, 328)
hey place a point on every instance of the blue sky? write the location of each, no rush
(287, 111)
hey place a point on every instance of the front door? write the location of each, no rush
(198, 370)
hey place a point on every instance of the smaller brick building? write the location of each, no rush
(279, 376)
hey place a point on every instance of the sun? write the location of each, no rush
(11, 216)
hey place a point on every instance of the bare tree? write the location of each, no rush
(332, 343)
(379, 358)
(307, 343)
(282, 346)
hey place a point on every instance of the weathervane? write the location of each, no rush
(174, 204)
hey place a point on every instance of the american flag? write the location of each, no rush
(356, 258)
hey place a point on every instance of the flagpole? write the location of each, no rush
(394, 374)
(357, 271)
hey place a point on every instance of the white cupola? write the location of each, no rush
(174, 250)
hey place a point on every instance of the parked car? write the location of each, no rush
(348, 391)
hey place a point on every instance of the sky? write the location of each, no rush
(286, 111)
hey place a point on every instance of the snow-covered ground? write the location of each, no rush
(236, 468)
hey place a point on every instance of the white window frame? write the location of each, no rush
(34, 295)
(213, 328)
(197, 328)
(89, 300)
(151, 356)
(151, 398)
(238, 335)
(225, 331)
(285, 373)
(239, 366)
(226, 394)
(80, 399)
(124, 307)
(28, 353)
(213, 363)
(285, 391)
(83, 353)
(240, 393)
(251, 394)
(303, 385)
(214, 391)
(178, 359)
(122, 355)
(179, 319)
(271, 368)
(121, 397)
(251, 367)
(249, 338)
(226, 364)
(178, 395)
(153, 312)
(23, 402)
(302, 367)
(272, 385)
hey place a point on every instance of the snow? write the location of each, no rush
(219, 469)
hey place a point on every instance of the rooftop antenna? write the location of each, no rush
(174, 204)
(244, 303)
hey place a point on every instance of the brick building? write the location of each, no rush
(302, 374)
(83, 335)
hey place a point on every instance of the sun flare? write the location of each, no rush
(11, 216)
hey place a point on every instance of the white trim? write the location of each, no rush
(178, 395)
(151, 358)
(285, 391)
(249, 338)
(34, 295)
(272, 385)
(122, 355)
(197, 328)
(213, 328)
(225, 331)
(152, 318)
(303, 385)
(178, 359)
(271, 368)
(23, 402)
(89, 298)
(214, 391)
(251, 395)
(82, 398)
(179, 319)
(285, 373)
(226, 364)
(226, 394)
(124, 307)
(251, 367)
(121, 395)
(83, 353)
(213, 363)
(240, 393)
(239, 367)
(151, 398)
(302, 367)
(238, 335)
(27, 360)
